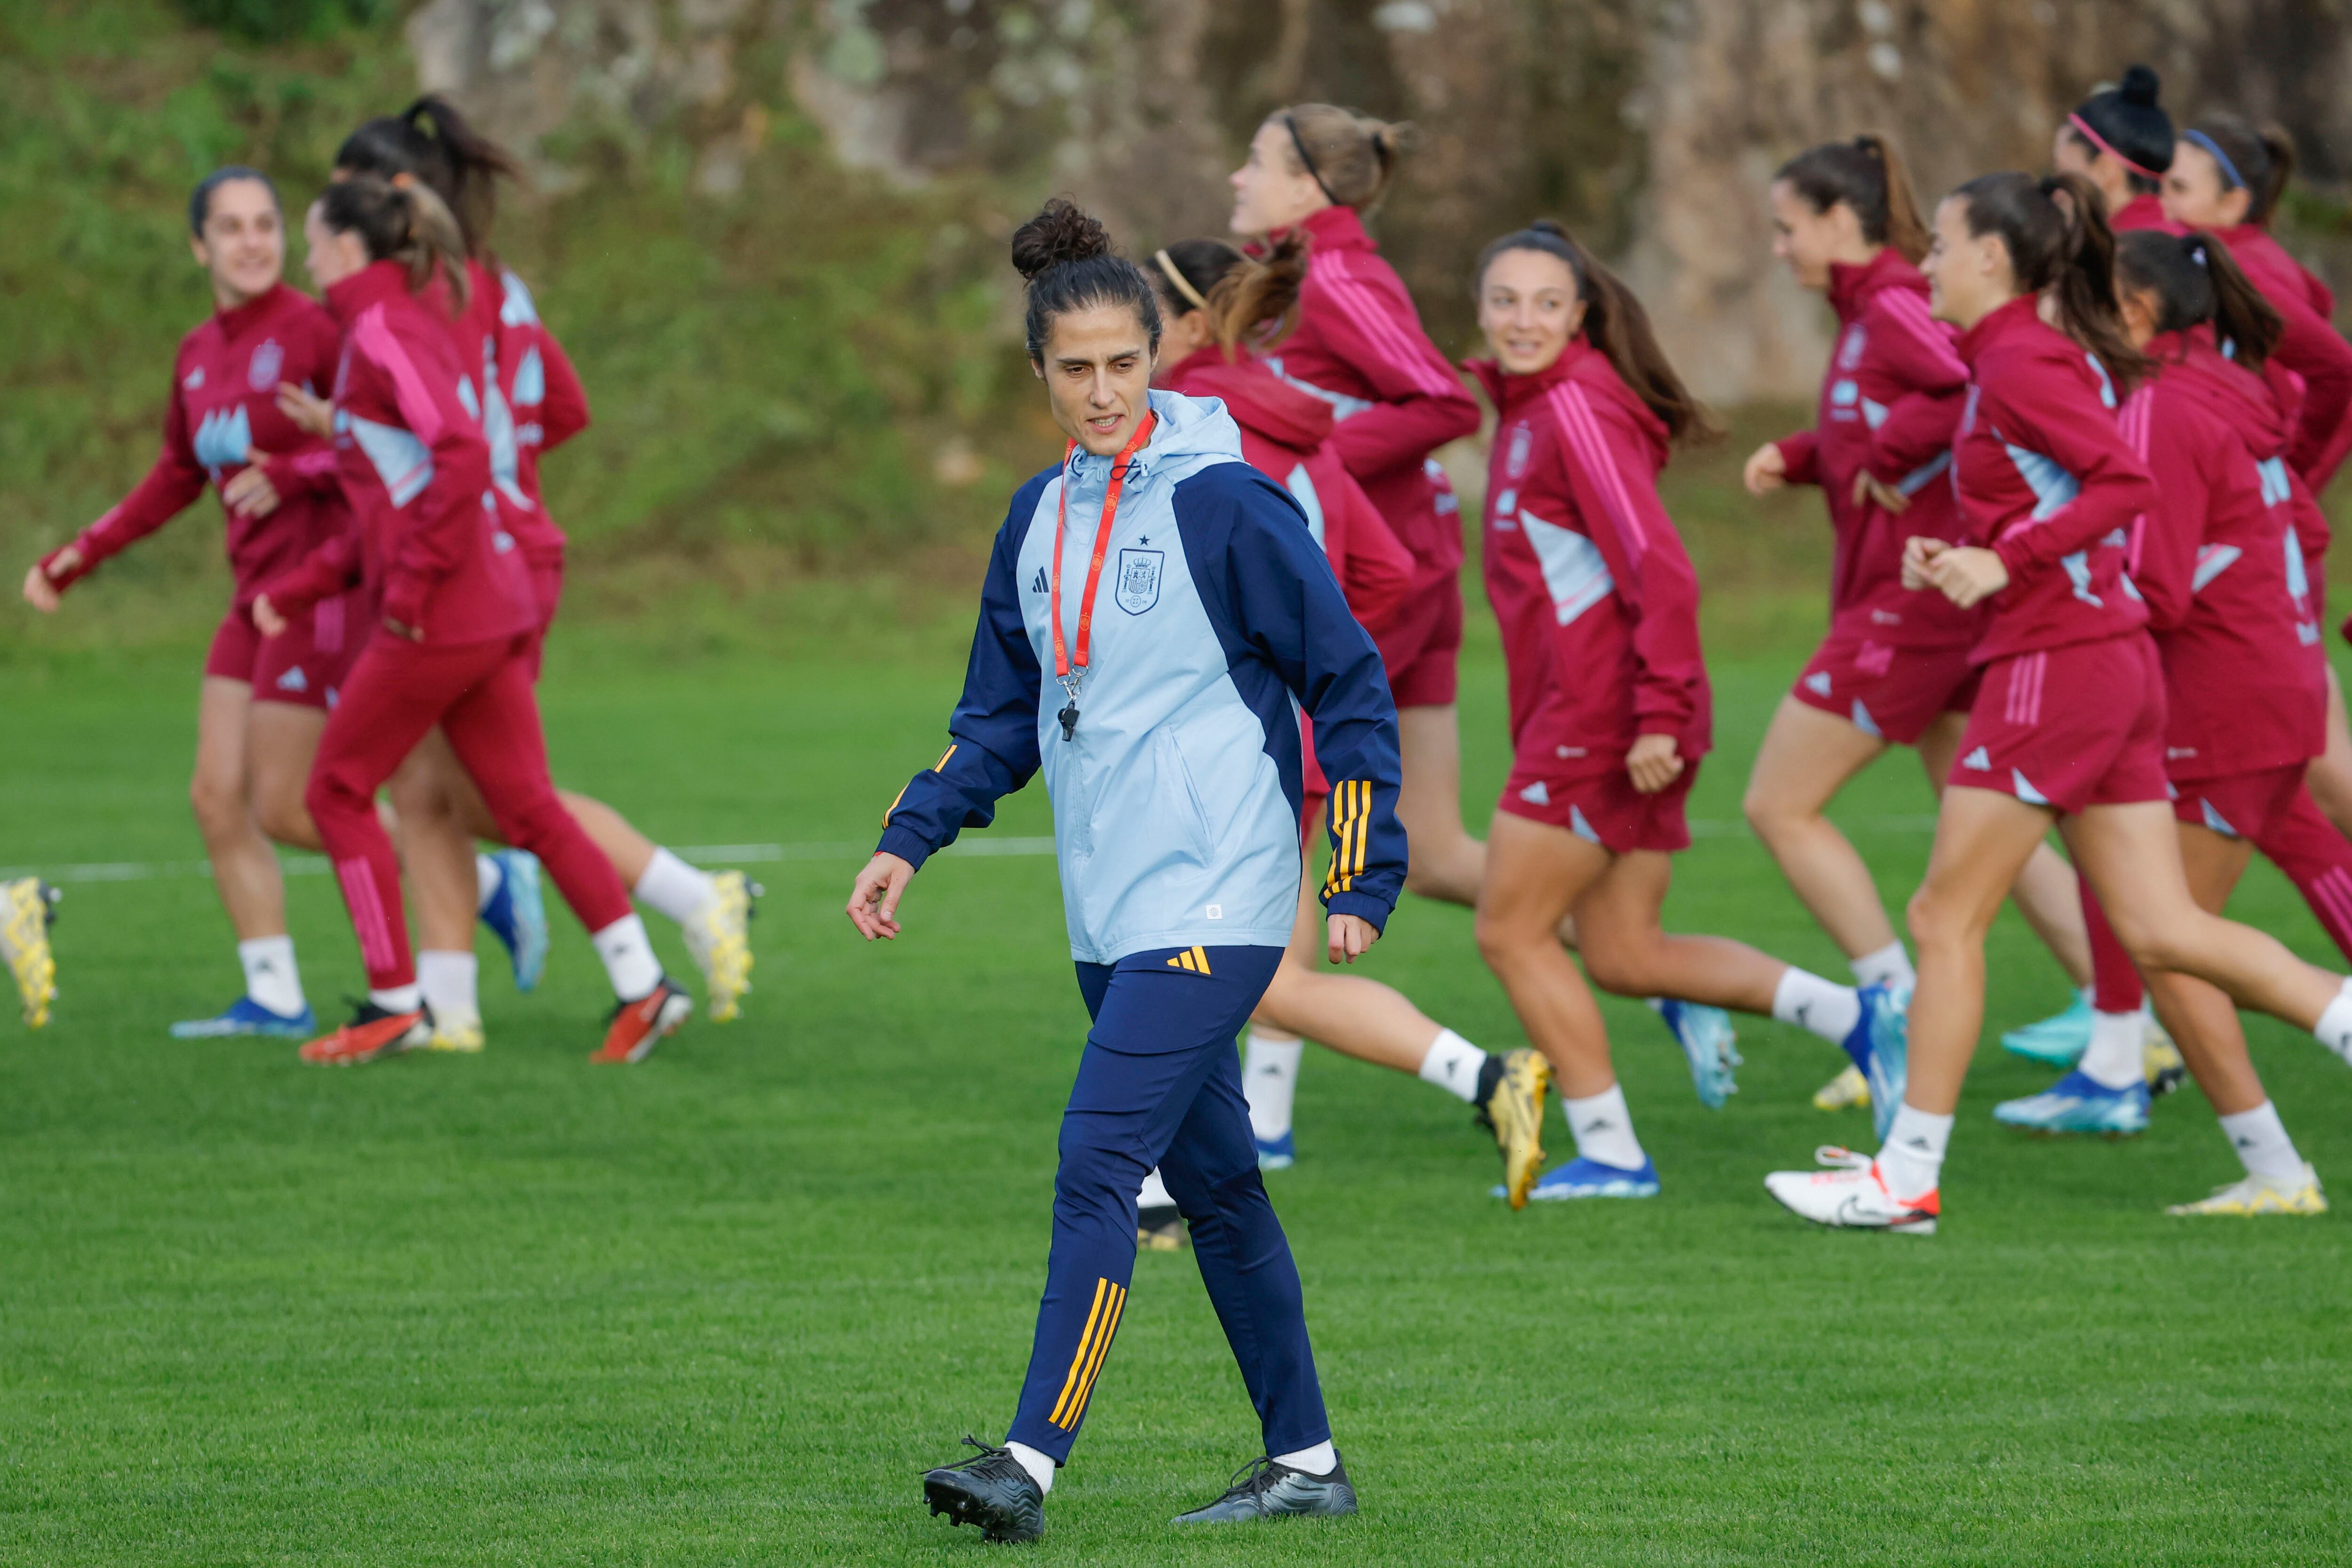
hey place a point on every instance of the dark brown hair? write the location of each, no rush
(1248, 298)
(200, 200)
(1616, 324)
(2256, 161)
(2055, 230)
(430, 141)
(1866, 175)
(2193, 281)
(2126, 121)
(408, 223)
(1066, 258)
(1352, 155)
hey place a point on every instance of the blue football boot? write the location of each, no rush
(1708, 1044)
(1879, 1044)
(2080, 1103)
(516, 915)
(1583, 1178)
(2058, 1041)
(1277, 1153)
(246, 1016)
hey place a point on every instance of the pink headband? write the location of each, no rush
(2095, 139)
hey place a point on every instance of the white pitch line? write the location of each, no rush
(769, 854)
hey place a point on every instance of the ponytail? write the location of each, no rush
(1351, 157)
(1616, 324)
(1866, 175)
(2193, 281)
(430, 142)
(2055, 230)
(408, 223)
(2257, 161)
(1252, 300)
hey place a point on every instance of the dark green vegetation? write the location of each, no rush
(725, 1307)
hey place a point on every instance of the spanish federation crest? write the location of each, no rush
(1138, 579)
(261, 371)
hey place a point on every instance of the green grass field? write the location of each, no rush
(723, 1307)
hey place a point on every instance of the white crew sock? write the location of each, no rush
(1453, 1064)
(1270, 1081)
(1604, 1128)
(2335, 1026)
(671, 887)
(270, 976)
(628, 955)
(447, 980)
(1040, 1468)
(2113, 1060)
(1809, 1002)
(487, 877)
(1890, 966)
(1318, 1460)
(1154, 1194)
(2262, 1145)
(1911, 1158)
(397, 998)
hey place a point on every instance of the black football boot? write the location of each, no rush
(993, 1491)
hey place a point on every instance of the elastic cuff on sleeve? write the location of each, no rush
(1363, 906)
(905, 843)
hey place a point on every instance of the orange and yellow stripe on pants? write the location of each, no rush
(1086, 1365)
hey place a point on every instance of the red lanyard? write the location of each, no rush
(1063, 664)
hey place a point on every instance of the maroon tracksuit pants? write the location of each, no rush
(480, 695)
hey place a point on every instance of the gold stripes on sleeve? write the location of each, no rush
(1351, 828)
(935, 767)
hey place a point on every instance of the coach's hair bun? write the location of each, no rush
(1059, 233)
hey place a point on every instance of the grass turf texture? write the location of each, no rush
(726, 1306)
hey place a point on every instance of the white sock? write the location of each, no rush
(270, 976)
(397, 998)
(1270, 1081)
(2335, 1026)
(628, 955)
(1154, 1194)
(1911, 1158)
(2262, 1145)
(1318, 1460)
(1809, 1002)
(1604, 1128)
(671, 887)
(2113, 1060)
(1453, 1064)
(487, 877)
(447, 980)
(1040, 1468)
(1889, 966)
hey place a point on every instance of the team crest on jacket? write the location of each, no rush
(261, 371)
(1138, 579)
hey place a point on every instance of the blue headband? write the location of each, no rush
(2229, 170)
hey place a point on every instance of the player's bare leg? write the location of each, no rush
(1446, 861)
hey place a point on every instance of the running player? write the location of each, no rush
(2218, 562)
(532, 402)
(1611, 709)
(2069, 722)
(1893, 669)
(1163, 718)
(263, 701)
(454, 613)
(1220, 308)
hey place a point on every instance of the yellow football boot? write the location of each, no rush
(2262, 1196)
(27, 907)
(1848, 1087)
(2159, 1061)
(457, 1034)
(718, 936)
(1514, 1109)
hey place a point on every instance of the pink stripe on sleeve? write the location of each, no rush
(373, 338)
(1364, 306)
(1573, 409)
(1910, 311)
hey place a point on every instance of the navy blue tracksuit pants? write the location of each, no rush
(1161, 1084)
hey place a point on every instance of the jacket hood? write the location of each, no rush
(1259, 401)
(1187, 434)
(1851, 286)
(381, 281)
(2226, 390)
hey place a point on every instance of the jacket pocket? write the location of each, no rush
(1184, 794)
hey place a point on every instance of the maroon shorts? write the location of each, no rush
(1418, 648)
(2240, 806)
(303, 666)
(1894, 693)
(2070, 727)
(1603, 808)
(547, 587)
